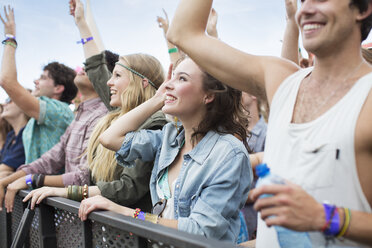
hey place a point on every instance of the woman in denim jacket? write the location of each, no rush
(202, 171)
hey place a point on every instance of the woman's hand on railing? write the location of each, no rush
(38, 195)
(99, 202)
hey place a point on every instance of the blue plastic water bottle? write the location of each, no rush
(287, 238)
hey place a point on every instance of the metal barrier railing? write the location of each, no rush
(56, 224)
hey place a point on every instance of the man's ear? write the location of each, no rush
(363, 15)
(58, 89)
(209, 98)
(145, 83)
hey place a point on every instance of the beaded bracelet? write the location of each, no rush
(85, 191)
(136, 212)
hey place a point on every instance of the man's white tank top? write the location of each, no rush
(317, 155)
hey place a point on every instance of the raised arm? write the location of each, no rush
(173, 51)
(243, 71)
(113, 137)
(8, 79)
(96, 63)
(90, 47)
(93, 26)
(212, 23)
(290, 40)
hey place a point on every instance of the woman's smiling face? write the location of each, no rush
(185, 96)
(118, 83)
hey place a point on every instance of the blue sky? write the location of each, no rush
(46, 32)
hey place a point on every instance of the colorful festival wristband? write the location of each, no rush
(10, 42)
(29, 181)
(141, 215)
(347, 219)
(332, 227)
(84, 40)
(173, 50)
(10, 36)
(136, 213)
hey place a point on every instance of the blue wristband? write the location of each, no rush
(84, 40)
(29, 181)
(333, 220)
(141, 216)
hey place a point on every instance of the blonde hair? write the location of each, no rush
(102, 162)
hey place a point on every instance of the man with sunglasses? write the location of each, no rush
(67, 155)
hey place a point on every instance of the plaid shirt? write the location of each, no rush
(67, 154)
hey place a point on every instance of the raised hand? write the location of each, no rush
(8, 21)
(77, 10)
(38, 195)
(72, 5)
(212, 23)
(163, 22)
(160, 93)
(291, 8)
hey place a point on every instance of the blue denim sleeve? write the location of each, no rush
(215, 214)
(141, 145)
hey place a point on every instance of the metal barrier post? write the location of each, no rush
(87, 233)
(47, 228)
(5, 229)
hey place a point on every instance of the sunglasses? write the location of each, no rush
(159, 207)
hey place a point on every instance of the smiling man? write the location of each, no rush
(319, 134)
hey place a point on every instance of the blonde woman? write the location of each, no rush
(128, 90)
(134, 80)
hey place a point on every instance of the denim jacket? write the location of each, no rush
(212, 185)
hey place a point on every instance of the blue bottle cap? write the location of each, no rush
(262, 170)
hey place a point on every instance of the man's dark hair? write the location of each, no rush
(362, 5)
(63, 75)
(111, 59)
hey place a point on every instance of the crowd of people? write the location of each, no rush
(180, 148)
